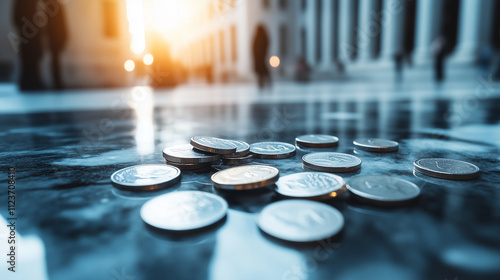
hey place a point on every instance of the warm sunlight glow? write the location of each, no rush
(148, 59)
(274, 61)
(129, 65)
(135, 16)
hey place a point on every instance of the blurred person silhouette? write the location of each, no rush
(260, 47)
(439, 50)
(30, 47)
(302, 70)
(399, 58)
(57, 34)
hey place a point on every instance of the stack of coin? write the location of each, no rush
(317, 141)
(311, 185)
(272, 150)
(331, 162)
(186, 158)
(445, 168)
(376, 145)
(247, 177)
(241, 156)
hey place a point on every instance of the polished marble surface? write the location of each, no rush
(89, 230)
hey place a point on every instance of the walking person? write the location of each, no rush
(57, 35)
(260, 48)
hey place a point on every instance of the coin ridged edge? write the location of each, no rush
(211, 149)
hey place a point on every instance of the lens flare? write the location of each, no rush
(148, 59)
(274, 61)
(129, 65)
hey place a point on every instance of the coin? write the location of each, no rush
(383, 189)
(300, 220)
(191, 166)
(376, 145)
(242, 149)
(184, 210)
(310, 185)
(185, 154)
(331, 162)
(238, 160)
(213, 145)
(317, 141)
(146, 177)
(272, 150)
(446, 168)
(245, 177)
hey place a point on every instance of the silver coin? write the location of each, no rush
(242, 149)
(312, 185)
(238, 160)
(383, 189)
(185, 154)
(300, 220)
(146, 177)
(331, 162)
(446, 168)
(213, 145)
(191, 166)
(376, 145)
(184, 210)
(272, 150)
(317, 141)
(245, 177)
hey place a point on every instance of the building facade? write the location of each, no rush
(336, 34)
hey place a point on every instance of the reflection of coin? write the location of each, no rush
(331, 162)
(245, 177)
(317, 141)
(310, 185)
(376, 145)
(300, 220)
(146, 177)
(272, 150)
(446, 168)
(383, 189)
(242, 149)
(213, 145)
(186, 154)
(184, 210)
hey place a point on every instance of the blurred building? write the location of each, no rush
(336, 34)
(97, 47)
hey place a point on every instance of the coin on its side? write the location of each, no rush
(272, 150)
(331, 162)
(300, 220)
(245, 177)
(185, 154)
(145, 177)
(445, 168)
(184, 210)
(376, 145)
(213, 145)
(383, 189)
(317, 141)
(310, 185)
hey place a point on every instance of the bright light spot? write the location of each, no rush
(141, 101)
(135, 16)
(129, 65)
(274, 61)
(148, 59)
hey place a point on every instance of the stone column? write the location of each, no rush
(393, 12)
(346, 29)
(428, 25)
(470, 30)
(326, 34)
(368, 29)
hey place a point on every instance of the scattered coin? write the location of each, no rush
(242, 149)
(317, 141)
(331, 162)
(245, 177)
(272, 150)
(446, 168)
(300, 220)
(213, 145)
(185, 154)
(310, 185)
(383, 189)
(184, 210)
(237, 160)
(145, 177)
(376, 145)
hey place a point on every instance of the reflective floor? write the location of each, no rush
(75, 225)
